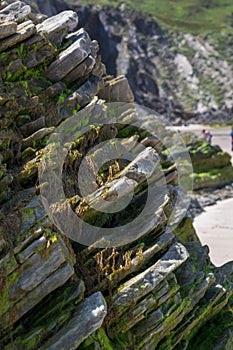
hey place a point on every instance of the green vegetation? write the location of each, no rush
(188, 15)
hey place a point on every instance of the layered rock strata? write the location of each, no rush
(153, 292)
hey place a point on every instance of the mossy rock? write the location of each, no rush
(205, 157)
(97, 340)
(214, 178)
(185, 231)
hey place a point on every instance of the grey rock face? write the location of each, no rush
(181, 75)
(145, 282)
(88, 317)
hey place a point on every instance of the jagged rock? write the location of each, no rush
(3, 243)
(147, 281)
(38, 50)
(57, 27)
(88, 318)
(5, 182)
(41, 273)
(83, 69)
(70, 58)
(7, 29)
(15, 12)
(142, 166)
(24, 31)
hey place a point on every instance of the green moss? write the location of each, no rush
(98, 340)
(185, 231)
(213, 178)
(27, 213)
(9, 281)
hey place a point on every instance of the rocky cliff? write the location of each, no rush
(183, 75)
(158, 291)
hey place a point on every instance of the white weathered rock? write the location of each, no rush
(57, 27)
(16, 12)
(142, 166)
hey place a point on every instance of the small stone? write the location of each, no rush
(3, 243)
(30, 128)
(4, 98)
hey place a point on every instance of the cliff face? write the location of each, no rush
(152, 292)
(183, 75)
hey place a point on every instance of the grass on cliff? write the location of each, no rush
(197, 16)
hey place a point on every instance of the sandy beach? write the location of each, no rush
(215, 226)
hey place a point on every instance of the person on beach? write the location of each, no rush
(203, 133)
(207, 135)
(231, 135)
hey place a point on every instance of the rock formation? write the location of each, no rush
(212, 167)
(153, 292)
(183, 75)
